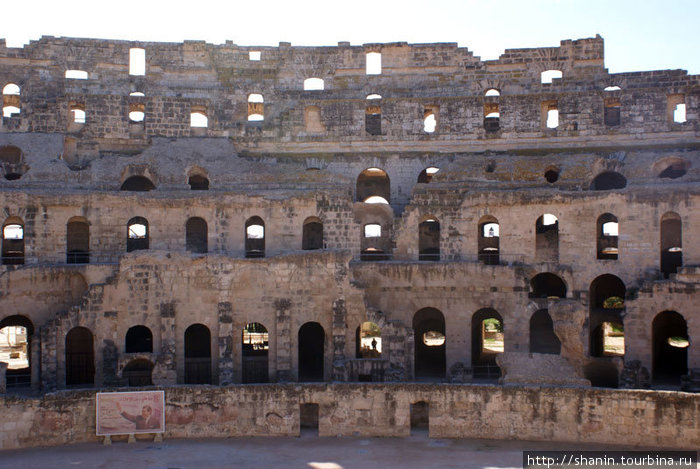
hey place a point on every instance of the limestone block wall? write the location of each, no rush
(637, 418)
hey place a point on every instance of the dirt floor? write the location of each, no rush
(309, 452)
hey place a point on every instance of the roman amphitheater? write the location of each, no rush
(387, 235)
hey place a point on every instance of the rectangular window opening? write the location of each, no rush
(137, 61)
(254, 55)
(374, 63)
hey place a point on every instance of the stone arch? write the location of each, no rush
(196, 235)
(546, 285)
(255, 350)
(311, 346)
(429, 239)
(606, 311)
(254, 237)
(671, 241)
(312, 234)
(17, 334)
(670, 344)
(373, 182)
(138, 339)
(77, 241)
(487, 342)
(13, 235)
(489, 244)
(197, 354)
(430, 343)
(80, 357)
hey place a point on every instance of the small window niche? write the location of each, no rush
(314, 84)
(611, 112)
(373, 119)
(255, 55)
(492, 117)
(256, 107)
(607, 233)
(430, 119)
(137, 61)
(76, 74)
(676, 109)
(548, 76)
(77, 114)
(373, 63)
(199, 121)
(550, 115)
(312, 120)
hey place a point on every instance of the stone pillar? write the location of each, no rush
(48, 358)
(338, 337)
(3, 377)
(35, 360)
(165, 371)
(225, 341)
(283, 326)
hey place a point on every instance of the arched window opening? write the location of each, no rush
(548, 76)
(670, 348)
(138, 373)
(10, 100)
(676, 109)
(375, 199)
(671, 243)
(492, 116)
(198, 355)
(374, 96)
(137, 61)
(16, 334)
(611, 112)
(487, 343)
(137, 184)
(255, 350)
(430, 116)
(373, 119)
(137, 93)
(489, 241)
(311, 341)
(312, 120)
(13, 242)
(492, 92)
(77, 241)
(607, 235)
(199, 119)
(312, 234)
(77, 112)
(672, 168)
(429, 240)
(547, 238)
(198, 182)
(196, 235)
(607, 308)
(427, 174)
(256, 107)
(137, 234)
(139, 339)
(313, 84)
(612, 88)
(608, 181)
(542, 336)
(550, 114)
(137, 112)
(368, 341)
(373, 65)
(254, 237)
(547, 285)
(430, 338)
(80, 357)
(373, 182)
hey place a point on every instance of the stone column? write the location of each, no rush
(225, 341)
(338, 337)
(167, 356)
(3, 377)
(283, 326)
(35, 360)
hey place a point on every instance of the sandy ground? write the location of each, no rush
(309, 452)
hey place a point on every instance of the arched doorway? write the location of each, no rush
(139, 339)
(487, 343)
(197, 354)
(607, 307)
(373, 182)
(15, 341)
(670, 343)
(429, 334)
(429, 240)
(547, 285)
(196, 235)
(312, 234)
(311, 350)
(542, 336)
(80, 357)
(255, 348)
(77, 241)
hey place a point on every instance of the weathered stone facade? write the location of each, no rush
(590, 182)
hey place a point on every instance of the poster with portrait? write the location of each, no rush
(120, 413)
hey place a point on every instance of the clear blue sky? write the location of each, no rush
(639, 34)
